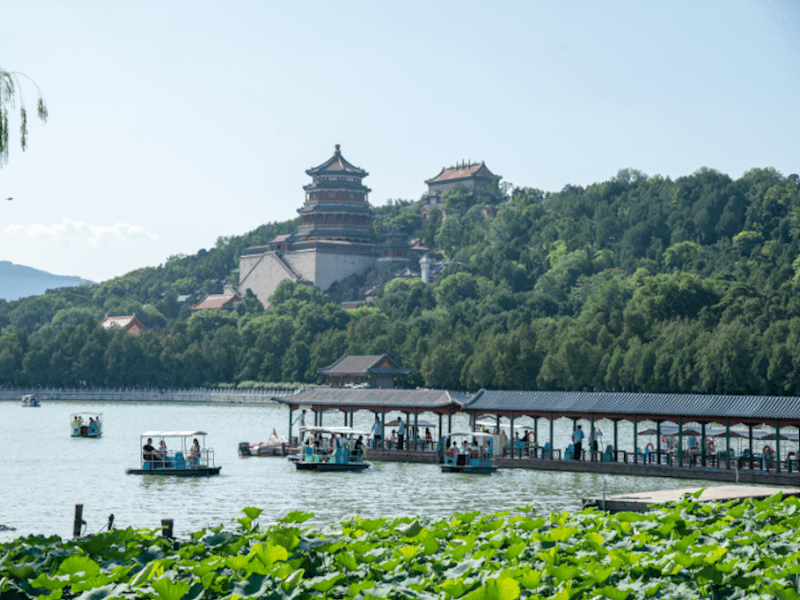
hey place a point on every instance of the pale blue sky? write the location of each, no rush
(175, 122)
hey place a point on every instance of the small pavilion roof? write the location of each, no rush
(702, 408)
(122, 322)
(375, 400)
(358, 365)
(217, 301)
(337, 163)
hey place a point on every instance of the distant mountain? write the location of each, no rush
(18, 281)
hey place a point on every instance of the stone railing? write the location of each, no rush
(220, 395)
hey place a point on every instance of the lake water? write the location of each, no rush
(45, 473)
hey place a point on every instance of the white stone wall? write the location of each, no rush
(261, 273)
(324, 268)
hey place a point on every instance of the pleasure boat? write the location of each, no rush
(86, 425)
(275, 446)
(176, 455)
(30, 400)
(341, 451)
(474, 455)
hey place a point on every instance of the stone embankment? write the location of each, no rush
(195, 395)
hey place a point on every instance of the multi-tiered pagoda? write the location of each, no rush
(336, 206)
(334, 239)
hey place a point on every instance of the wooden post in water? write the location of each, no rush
(166, 528)
(78, 522)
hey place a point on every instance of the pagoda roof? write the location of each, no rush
(337, 164)
(462, 171)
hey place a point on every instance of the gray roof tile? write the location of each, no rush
(627, 404)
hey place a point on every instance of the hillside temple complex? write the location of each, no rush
(335, 238)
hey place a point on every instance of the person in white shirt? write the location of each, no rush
(301, 418)
(598, 438)
(577, 442)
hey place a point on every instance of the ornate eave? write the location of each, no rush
(337, 164)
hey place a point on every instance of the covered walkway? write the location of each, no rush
(378, 401)
(685, 438)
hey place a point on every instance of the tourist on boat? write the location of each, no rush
(358, 448)
(377, 432)
(162, 452)
(194, 452)
(393, 439)
(428, 438)
(148, 452)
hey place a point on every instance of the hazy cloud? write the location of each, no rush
(93, 235)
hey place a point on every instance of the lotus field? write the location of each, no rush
(689, 550)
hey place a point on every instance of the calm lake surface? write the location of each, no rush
(45, 473)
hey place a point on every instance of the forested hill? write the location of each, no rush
(636, 283)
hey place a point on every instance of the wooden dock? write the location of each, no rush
(644, 501)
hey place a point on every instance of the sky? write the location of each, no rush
(176, 122)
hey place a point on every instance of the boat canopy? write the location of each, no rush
(172, 433)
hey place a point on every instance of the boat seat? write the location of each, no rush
(146, 465)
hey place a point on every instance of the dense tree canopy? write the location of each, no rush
(636, 283)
